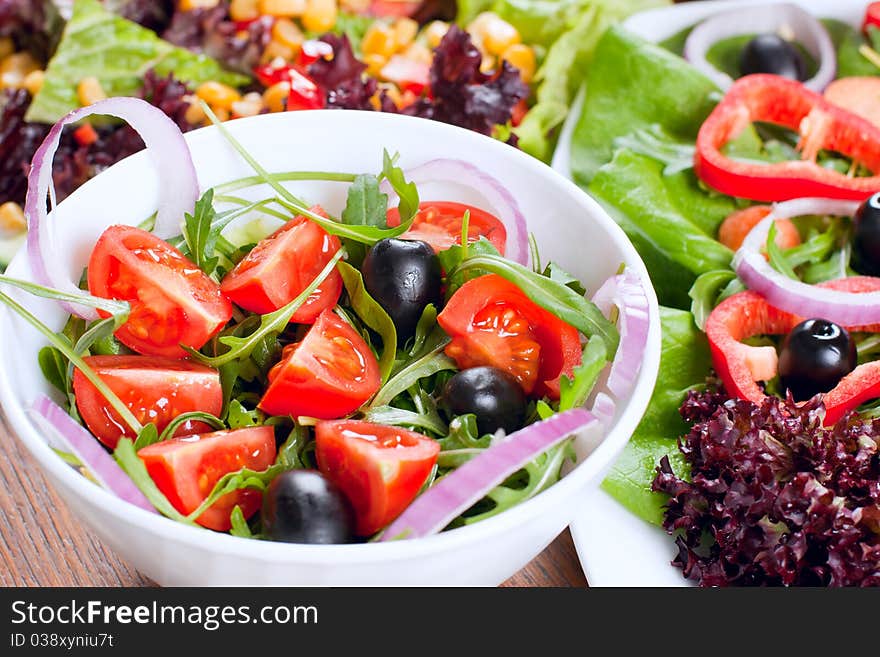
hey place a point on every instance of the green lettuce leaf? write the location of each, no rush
(684, 365)
(118, 52)
(670, 220)
(633, 85)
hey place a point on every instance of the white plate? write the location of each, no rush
(615, 547)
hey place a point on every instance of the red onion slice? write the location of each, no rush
(626, 292)
(469, 483)
(604, 408)
(178, 185)
(503, 203)
(763, 19)
(88, 450)
(844, 308)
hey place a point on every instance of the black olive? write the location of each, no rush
(770, 53)
(403, 276)
(493, 395)
(815, 356)
(866, 239)
(303, 506)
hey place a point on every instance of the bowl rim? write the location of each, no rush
(598, 460)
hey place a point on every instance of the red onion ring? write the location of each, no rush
(499, 197)
(88, 450)
(467, 484)
(178, 185)
(844, 308)
(762, 19)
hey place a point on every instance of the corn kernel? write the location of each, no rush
(499, 36)
(435, 32)
(250, 105)
(419, 52)
(244, 10)
(33, 81)
(405, 30)
(89, 90)
(189, 5)
(7, 47)
(277, 50)
(392, 92)
(379, 40)
(287, 33)
(320, 15)
(282, 8)
(488, 64)
(195, 115)
(12, 218)
(523, 58)
(375, 63)
(275, 97)
(15, 68)
(217, 95)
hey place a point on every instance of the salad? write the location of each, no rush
(752, 141)
(245, 362)
(507, 68)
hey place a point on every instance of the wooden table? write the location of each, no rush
(43, 544)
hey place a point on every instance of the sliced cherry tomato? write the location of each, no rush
(331, 373)
(281, 266)
(492, 322)
(379, 468)
(172, 301)
(859, 95)
(154, 389)
(736, 227)
(439, 224)
(394, 8)
(304, 93)
(186, 470)
(518, 113)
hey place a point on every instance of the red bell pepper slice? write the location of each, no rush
(311, 51)
(407, 74)
(304, 93)
(741, 366)
(773, 99)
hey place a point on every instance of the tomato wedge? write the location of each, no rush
(492, 322)
(186, 470)
(281, 266)
(154, 389)
(172, 301)
(439, 224)
(379, 468)
(327, 375)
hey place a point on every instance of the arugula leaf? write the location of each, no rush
(191, 416)
(200, 235)
(400, 417)
(452, 257)
(291, 453)
(429, 364)
(684, 365)
(427, 323)
(372, 314)
(551, 295)
(573, 392)
(238, 480)
(239, 417)
(774, 253)
(149, 435)
(128, 460)
(406, 191)
(117, 309)
(556, 273)
(366, 205)
(462, 443)
(118, 52)
(705, 293)
(240, 526)
(270, 325)
(53, 365)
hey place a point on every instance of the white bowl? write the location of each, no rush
(570, 228)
